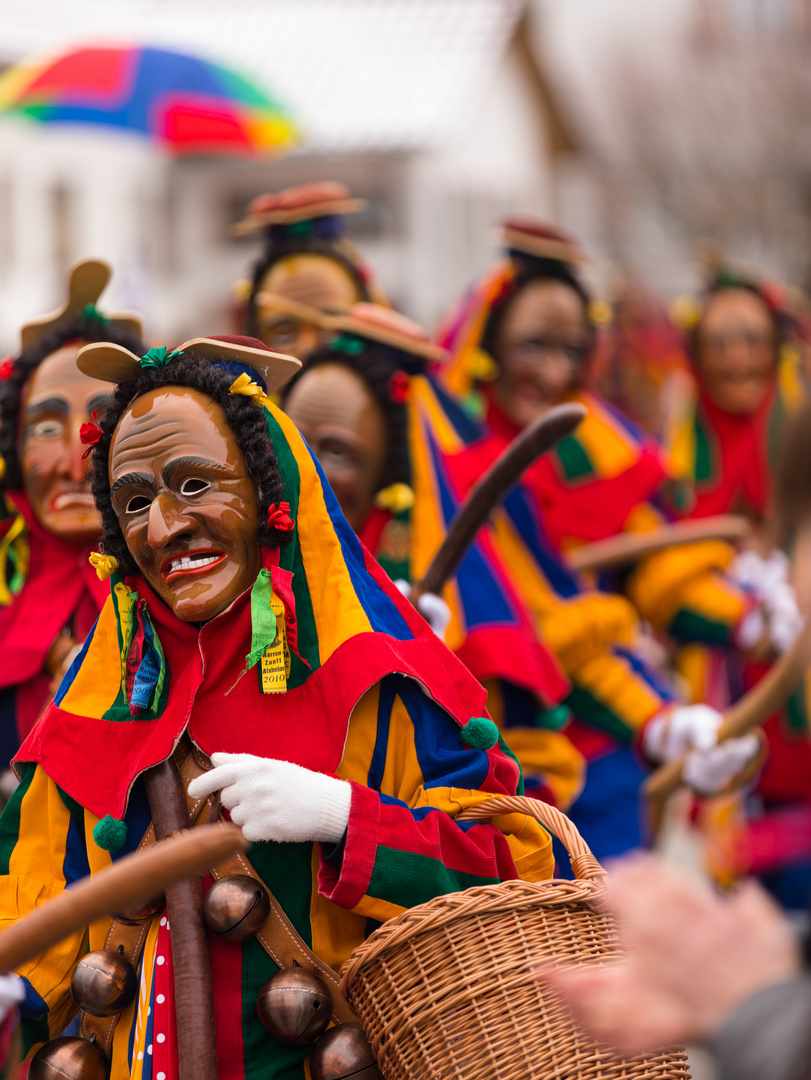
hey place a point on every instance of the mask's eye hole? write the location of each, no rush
(136, 504)
(193, 486)
(47, 429)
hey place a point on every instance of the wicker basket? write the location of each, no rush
(446, 990)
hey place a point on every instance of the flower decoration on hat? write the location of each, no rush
(159, 357)
(248, 387)
(104, 565)
(6, 368)
(90, 434)
(279, 517)
(399, 387)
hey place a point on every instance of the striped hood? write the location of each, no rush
(352, 628)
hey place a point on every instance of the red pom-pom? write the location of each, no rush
(90, 434)
(279, 518)
(399, 387)
(6, 368)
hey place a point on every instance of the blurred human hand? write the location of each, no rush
(692, 957)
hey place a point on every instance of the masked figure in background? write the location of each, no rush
(51, 595)
(724, 442)
(520, 343)
(306, 267)
(245, 627)
(591, 634)
(369, 414)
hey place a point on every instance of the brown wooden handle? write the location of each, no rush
(491, 489)
(584, 864)
(631, 547)
(194, 991)
(753, 709)
(133, 879)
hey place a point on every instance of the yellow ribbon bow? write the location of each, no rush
(104, 565)
(244, 384)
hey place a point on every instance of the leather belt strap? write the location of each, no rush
(278, 937)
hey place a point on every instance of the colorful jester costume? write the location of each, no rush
(47, 587)
(608, 476)
(360, 688)
(491, 630)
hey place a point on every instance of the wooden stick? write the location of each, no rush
(631, 547)
(133, 879)
(753, 709)
(492, 488)
(194, 991)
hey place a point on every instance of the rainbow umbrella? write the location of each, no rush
(191, 105)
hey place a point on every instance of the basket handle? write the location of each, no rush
(584, 865)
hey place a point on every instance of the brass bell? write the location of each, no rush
(139, 914)
(103, 983)
(344, 1052)
(69, 1058)
(294, 1006)
(236, 907)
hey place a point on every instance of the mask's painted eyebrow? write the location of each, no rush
(144, 479)
(51, 404)
(192, 462)
(99, 403)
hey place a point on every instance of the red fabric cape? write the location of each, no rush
(97, 761)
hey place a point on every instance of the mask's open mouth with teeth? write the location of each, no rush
(191, 562)
(71, 500)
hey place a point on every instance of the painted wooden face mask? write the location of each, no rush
(57, 402)
(186, 505)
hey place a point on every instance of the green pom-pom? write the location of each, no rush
(553, 719)
(479, 733)
(110, 833)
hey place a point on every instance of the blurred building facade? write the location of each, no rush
(438, 112)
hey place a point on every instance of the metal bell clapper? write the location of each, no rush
(236, 907)
(344, 1052)
(294, 1006)
(69, 1058)
(104, 983)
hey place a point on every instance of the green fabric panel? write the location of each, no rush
(508, 752)
(408, 878)
(690, 626)
(291, 560)
(587, 708)
(34, 1032)
(574, 459)
(10, 819)
(265, 1057)
(75, 809)
(706, 467)
(796, 713)
(287, 868)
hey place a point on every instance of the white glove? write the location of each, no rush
(686, 727)
(708, 772)
(757, 573)
(768, 580)
(783, 616)
(432, 608)
(12, 992)
(275, 800)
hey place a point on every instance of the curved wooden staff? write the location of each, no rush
(631, 547)
(194, 991)
(491, 488)
(752, 710)
(133, 879)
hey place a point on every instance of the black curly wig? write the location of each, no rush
(284, 245)
(245, 419)
(82, 329)
(529, 270)
(375, 364)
